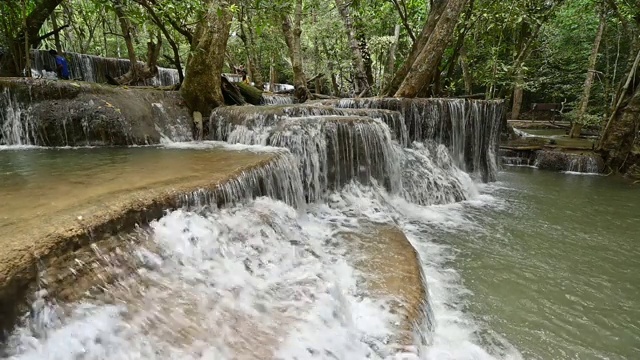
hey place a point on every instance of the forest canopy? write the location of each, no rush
(580, 53)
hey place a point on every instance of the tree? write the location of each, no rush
(137, 72)
(620, 136)
(21, 23)
(292, 30)
(576, 127)
(201, 88)
(423, 70)
(361, 82)
(437, 8)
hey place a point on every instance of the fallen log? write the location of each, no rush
(251, 94)
(231, 93)
(323, 97)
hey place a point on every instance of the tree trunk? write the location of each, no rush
(437, 9)
(620, 133)
(516, 101)
(391, 59)
(125, 26)
(466, 73)
(56, 35)
(424, 68)
(137, 72)
(292, 32)
(360, 84)
(174, 46)
(201, 87)
(246, 35)
(576, 128)
(272, 75)
(27, 66)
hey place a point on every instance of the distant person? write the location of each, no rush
(62, 67)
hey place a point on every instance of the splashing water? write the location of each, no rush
(16, 126)
(262, 279)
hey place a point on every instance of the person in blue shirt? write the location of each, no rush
(62, 67)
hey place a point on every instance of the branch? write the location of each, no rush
(51, 33)
(403, 17)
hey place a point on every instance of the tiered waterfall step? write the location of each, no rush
(76, 197)
(68, 113)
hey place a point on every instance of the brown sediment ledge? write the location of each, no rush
(45, 216)
(391, 270)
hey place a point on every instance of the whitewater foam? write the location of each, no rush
(260, 277)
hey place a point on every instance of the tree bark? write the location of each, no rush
(621, 122)
(621, 135)
(437, 9)
(292, 32)
(516, 105)
(361, 84)
(201, 87)
(253, 60)
(466, 73)
(56, 35)
(391, 59)
(125, 26)
(576, 127)
(424, 68)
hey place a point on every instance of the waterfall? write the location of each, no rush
(92, 68)
(17, 127)
(61, 114)
(571, 162)
(469, 128)
(277, 99)
(279, 179)
(266, 261)
(372, 144)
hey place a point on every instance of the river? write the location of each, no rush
(552, 265)
(537, 265)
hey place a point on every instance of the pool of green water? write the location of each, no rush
(554, 267)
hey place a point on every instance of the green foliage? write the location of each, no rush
(542, 44)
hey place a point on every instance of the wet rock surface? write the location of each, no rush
(67, 217)
(69, 113)
(565, 161)
(391, 269)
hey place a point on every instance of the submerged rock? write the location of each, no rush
(391, 269)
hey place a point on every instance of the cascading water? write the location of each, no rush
(305, 132)
(469, 128)
(277, 99)
(570, 162)
(16, 125)
(94, 68)
(27, 117)
(264, 279)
